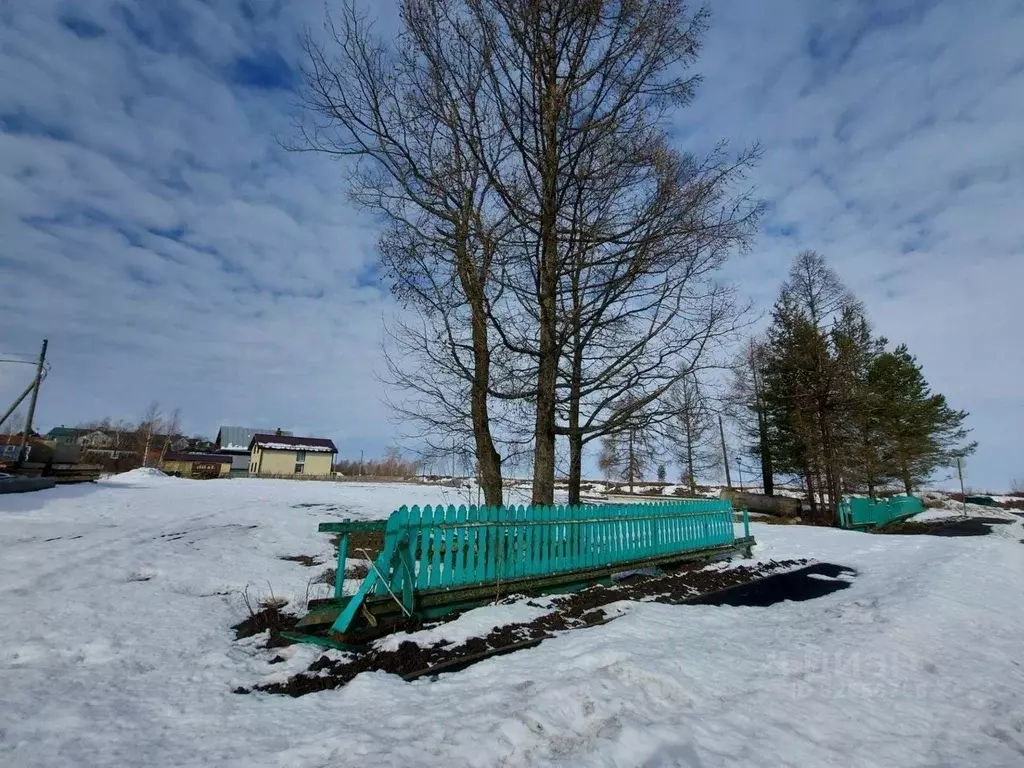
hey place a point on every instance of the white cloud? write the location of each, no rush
(154, 229)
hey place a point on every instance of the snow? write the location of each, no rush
(294, 447)
(476, 623)
(117, 600)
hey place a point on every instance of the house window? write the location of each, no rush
(299, 468)
(300, 457)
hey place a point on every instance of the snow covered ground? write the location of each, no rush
(117, 600)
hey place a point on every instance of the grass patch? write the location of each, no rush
(265, 615)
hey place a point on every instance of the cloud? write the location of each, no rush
(891, 138)
(158, 234)
(161, 238)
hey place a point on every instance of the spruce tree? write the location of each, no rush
(919, 432)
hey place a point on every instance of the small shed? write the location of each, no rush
(199, 466)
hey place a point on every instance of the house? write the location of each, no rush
(281, 454)
(97, 438)
(235, 441)
(200, 466)
(62, 434)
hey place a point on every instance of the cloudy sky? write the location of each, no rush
(153, 229)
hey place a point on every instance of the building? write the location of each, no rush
(281, 454)
(200, 466)
(63, 434)
(96, 439)
(234, 442)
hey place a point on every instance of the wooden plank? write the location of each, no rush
(353, 526)
(436, 539)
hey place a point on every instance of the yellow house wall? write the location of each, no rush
(271, 462)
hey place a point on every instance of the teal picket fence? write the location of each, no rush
(441, 548)
(873, 513)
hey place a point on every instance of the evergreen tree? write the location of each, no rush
(918, 431)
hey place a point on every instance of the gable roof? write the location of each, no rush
(290, 443)
(237, 438)
(62, 431)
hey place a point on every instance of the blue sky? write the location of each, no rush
(153, 228)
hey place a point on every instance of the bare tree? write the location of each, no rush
(557, 251)
(744, 404)
(571, 84)
(149, 425)
(628, 452)
(13, 424)
(695, 430)
(172, 429)
(401, 111)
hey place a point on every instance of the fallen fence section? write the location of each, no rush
(437, 560)
(865, 513)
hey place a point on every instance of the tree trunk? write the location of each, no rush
(487, 457)
(905, 475)
(809, 476)
(869, 468)
(689, 464)
(547, 285)
(575, 466)
(632, 465)
(767, 474)
(575, 434)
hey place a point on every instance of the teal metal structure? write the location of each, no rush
(440, 559)
(863, 513)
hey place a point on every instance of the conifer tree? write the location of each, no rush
(918, 430)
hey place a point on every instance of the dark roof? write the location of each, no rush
(290, 442)
(238, 439)
(211, 458)
(62, 431)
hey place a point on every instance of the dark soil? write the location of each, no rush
(269, 617)
(356, 571)
(970, 526)
(797, 586)
(307, 560)
(1012, 504)
(692, 583)
(370, 541)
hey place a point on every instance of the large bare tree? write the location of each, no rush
(400, 110)
(581, 90)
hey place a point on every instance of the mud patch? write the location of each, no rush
(269, 618)
(306, 560)
(807, 583)
(692, 583)
(971, 526)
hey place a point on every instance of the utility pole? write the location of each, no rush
(360, 471)
(960, 471)
(725, 454)
(32, 403)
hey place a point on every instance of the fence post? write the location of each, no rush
(339, 576)
(746, 523)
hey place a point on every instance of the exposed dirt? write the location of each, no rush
(371, 542)
(269, 617)
(307, 560)
(692, 583)
(968, 526)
